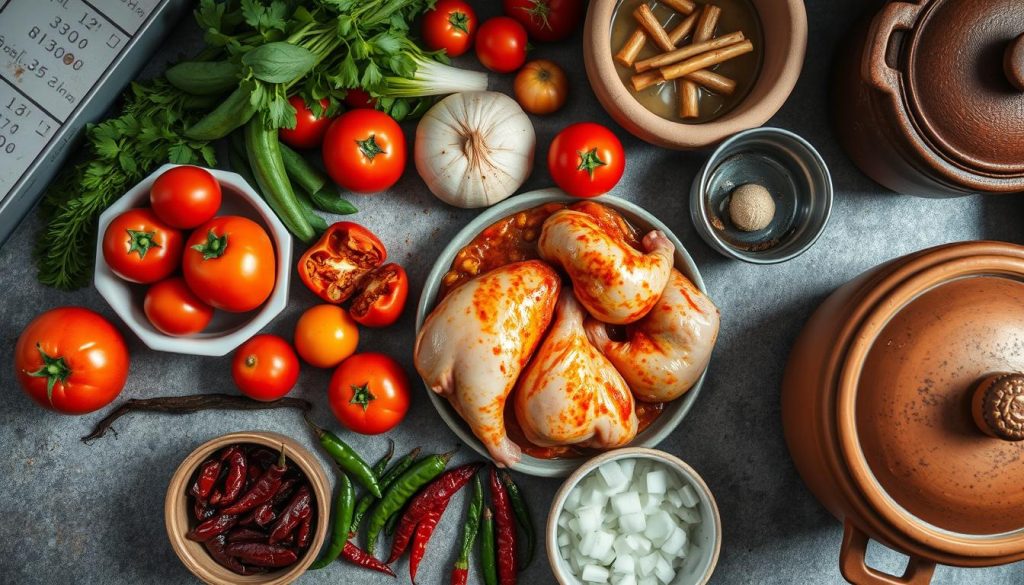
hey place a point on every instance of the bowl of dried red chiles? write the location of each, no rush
(252, 504)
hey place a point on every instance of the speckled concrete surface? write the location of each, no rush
(94, 514)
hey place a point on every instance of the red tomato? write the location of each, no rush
(138, 247)
(381, 299)
(185, 197)
(71, 360)
(369, 393)
(449, 26)
(174, 309)
(309, 130)
(229, 263)
(358, 98)
(364, 151)
(501, 44)
(546, 20)
(265, 367)
(586, 159)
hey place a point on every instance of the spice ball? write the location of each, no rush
(751, 207)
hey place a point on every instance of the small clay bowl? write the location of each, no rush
(784, 24)
(705, 542)
(177, 515)
(794, 174)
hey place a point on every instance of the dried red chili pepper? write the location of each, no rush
(434, 497)
(505, 528)
(215, 546)
(303, 533)
(285, 491)
(263, 490)
(261, 554)
(237, 472)
(202, 511)
(260, 515)
(253, 474)
(420, 539)
(210, 528)
(293, 514)
(357, 556)
(246, 535)
(205, 480)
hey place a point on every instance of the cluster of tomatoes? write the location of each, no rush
(368, 392)
(226, 262)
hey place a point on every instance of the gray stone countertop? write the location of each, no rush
(94, 514)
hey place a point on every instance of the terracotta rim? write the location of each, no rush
(890, 300)
(551, 528)
(192, 554)
(632, 115)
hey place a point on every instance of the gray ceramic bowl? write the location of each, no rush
(792, 171)
(639, 217)
(705, 538)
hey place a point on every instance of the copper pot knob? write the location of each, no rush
(1013, 62)
(998, 406)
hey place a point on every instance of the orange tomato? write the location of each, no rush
(229, 263)
(71, 360)
(325, 335)
(174, 309)
(541, 87)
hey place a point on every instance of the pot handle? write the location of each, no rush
(856, 571)
(893, 17)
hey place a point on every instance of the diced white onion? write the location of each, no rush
(595, 574)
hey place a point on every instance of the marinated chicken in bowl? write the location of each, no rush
(572, 319)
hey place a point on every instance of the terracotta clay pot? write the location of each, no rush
(904, 415)
(784, 23)
(929, 97)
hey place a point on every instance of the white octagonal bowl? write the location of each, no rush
(227, 330)
(645, 221)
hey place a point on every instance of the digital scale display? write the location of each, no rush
(62, 62)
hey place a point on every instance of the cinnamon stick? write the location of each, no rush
(652, 27)
(707, 23)
(680, 6)
(682, 29)
(705, 60)
(628, 53)
(644, 80)
(689, 99)
(688, 51)
(715, 82)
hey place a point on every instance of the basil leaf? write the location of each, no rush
(327, 201)
(279, 62)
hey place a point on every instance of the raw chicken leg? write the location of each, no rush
(570, 394)
(476, 341)
(615, 282)
(667, 351)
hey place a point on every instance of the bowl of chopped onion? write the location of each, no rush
(634, 516)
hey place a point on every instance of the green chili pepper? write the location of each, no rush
(263, 149)
(522, 512)
(382, 463)
(363, 506)
(417, 476)
(392, 523)
(232, 113)
(460, 573)
(346, 458)
(342, 518)
(488, 558)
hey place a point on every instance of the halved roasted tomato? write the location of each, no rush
(334, 267)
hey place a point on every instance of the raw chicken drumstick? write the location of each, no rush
(570, 394)
(477, 340)
(666, 352)
(615, 282)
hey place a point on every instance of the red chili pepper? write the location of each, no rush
(205, 480)
(202, 511)
(505, 528)
(434, 497)
(212, 527)
(294, 513)
(262, 555)
(254, 473)
(303, 533)
(264, 514)
(262, 490)
(285, 491)
(419, 541)
(237, 472)
(246, 535)
(215, 546)
(360, 557)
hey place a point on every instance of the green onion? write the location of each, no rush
(433, 78)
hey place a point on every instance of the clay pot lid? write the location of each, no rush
(965, 76)
(942, 340)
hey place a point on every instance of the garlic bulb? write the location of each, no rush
(474, 149)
